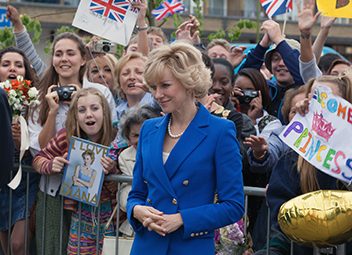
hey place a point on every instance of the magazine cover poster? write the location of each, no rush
(84, 175)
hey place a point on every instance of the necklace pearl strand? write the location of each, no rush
(171, 134)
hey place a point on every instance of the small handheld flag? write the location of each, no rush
(276, 7)
(168, 8)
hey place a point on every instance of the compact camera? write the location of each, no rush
(64, 92)
(104, 46)
(248, 96)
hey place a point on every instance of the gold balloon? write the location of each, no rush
(320, 218)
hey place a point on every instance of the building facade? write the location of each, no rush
(218, 14)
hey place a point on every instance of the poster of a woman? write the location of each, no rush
(84, 176)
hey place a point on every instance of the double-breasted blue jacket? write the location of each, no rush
(206, 160)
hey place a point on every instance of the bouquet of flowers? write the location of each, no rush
(20, 94)
(231, 240)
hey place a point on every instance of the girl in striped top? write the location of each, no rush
(89, 118)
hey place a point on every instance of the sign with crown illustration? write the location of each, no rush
(323, 135)
(335, 8)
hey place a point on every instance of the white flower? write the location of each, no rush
(35, 102)
(17, 106)
(19, 77)
(6, 84)
(33, 92)
(12, 93)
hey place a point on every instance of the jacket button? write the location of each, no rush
(197, 234)
(192, 235)
(206, 232)
(185, 182)
(149, 201)
(201, 233)
(174, 201)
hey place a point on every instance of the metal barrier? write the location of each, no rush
(119, 179)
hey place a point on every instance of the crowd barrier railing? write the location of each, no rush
(30, 246)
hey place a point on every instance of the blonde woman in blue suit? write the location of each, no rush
(183, 159)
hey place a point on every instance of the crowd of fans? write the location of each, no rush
(113, 92)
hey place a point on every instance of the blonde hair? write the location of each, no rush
(158, 32)
(72, 126)
(106, 60)
(343, 82)
(184, 62)
(118, 68)
(112, 58)
(90, 153)
(220, 42)
(308, 173)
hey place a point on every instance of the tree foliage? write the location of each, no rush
(33, 27)
(62, 29)
(234, 32)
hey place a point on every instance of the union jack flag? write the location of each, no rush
(112, 9)
(168, 8)
(276, 7)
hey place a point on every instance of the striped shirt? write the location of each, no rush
(56, 147)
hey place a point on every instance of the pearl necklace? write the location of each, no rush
(171, 134)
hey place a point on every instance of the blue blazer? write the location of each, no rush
(206, 160)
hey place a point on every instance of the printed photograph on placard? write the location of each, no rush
(83, 177)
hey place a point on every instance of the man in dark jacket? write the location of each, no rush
(6, 141)
(281, 60)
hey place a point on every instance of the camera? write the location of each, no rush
(64, 92)
(248, 96)
(104, 46)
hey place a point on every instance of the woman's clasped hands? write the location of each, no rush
(156, 220)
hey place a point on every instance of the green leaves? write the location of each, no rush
(234, 32)
(217, 35)
(33, 27)
(62, 29)
(6, 38)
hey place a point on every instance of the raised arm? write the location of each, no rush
(142, 27)
(288, 54)
(255, 57)
(306, 21)
(325, 25)
(24, 42)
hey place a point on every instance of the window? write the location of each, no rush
(250, 8)
(190, 5)
(217, 7)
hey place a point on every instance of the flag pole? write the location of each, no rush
(285, 21)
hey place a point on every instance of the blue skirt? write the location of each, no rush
(18, 210)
